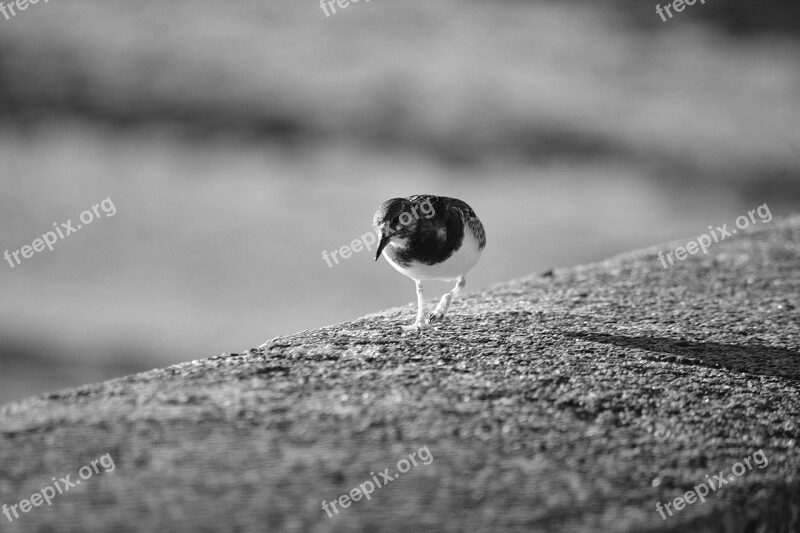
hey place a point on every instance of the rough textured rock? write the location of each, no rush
(569, 401)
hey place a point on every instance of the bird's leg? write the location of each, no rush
(444, 303)
(420, 323)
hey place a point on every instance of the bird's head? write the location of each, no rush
(394, 221)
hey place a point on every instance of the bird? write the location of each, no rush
(427, 237)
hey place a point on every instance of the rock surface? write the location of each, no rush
(575, 400)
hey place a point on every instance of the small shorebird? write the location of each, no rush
(428, 237)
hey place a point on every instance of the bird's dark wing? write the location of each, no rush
(470, 219)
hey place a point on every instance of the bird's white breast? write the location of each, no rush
(457, 265)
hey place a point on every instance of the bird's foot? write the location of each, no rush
(419, 325)
(436, 315)
(441, 309)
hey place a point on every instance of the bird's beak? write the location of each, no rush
(384, 241)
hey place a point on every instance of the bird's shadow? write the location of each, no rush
(747, 358)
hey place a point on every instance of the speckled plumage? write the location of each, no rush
(427, 237)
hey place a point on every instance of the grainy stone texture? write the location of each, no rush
(569, 401)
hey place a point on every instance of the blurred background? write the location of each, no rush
(239, 140)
